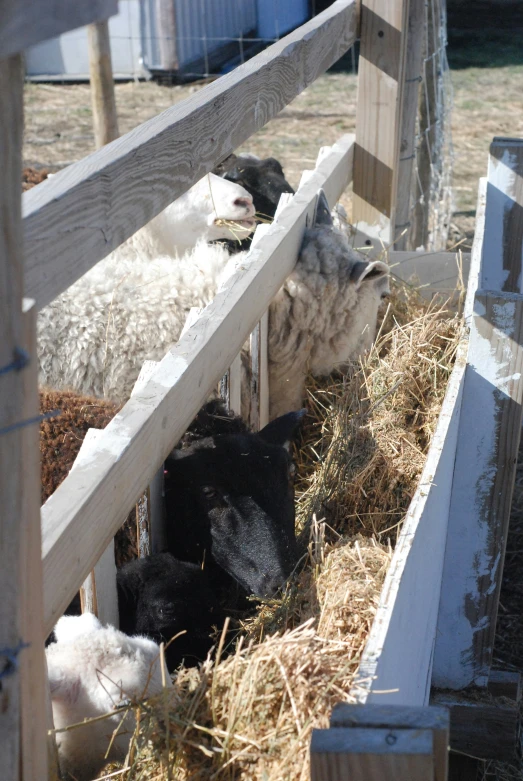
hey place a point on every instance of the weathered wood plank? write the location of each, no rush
(488, 442)
(83, 514)
(11, 409)
(409, 113)
(503, 243)
(84, 212)
(98, 594)
(105, 119)
(484, 730)
(395, 717)
(372, 754)
(33, 671)
(21, 27)
(381, 81)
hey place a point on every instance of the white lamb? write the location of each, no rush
(94, 670)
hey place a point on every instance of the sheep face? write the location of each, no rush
(263, 179)
(230, 502)
(92, 671)
(212, 209)
(160, 597)
(324, 315)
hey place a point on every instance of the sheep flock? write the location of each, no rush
(229, 509)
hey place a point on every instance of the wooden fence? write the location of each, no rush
(71, 222)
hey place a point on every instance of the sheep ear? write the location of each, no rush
(281, 431)
(322, 213)
(364, 271)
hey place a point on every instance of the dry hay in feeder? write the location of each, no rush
(250, 714)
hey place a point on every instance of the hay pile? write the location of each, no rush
(250, 714)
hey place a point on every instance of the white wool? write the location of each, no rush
(324, 315)
(95, 336)
(92, 671)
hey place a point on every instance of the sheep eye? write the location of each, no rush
(292, 471)
(209, 491)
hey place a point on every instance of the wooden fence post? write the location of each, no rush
(38, 753)
(105, 119)
(409, 112)
(11, 410)
(381, 82)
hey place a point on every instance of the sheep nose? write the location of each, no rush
(246, 203)
(271, 584)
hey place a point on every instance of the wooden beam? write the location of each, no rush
(21, 27)
(486, 456)
(98, 594)
(409, 113)
(372, 755)
(484, 730)
(85, 511)
(395, 717)
(381, 82)
(105, 119)
(503, 243)
(79, 216)
(33, 670)
(166, 21)
(11, 411)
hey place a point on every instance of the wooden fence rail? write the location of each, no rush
(87, 210)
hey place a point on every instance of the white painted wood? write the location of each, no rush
(84, 212)
(503, 242)
(23, 25)
(98, 593)
(192, 317)
(88, 507)
(430, 272)
(149, 508)
(486, 456)
(356, 754)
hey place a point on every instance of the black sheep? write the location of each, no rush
(159, 596)
(264, 180)
(229, 498)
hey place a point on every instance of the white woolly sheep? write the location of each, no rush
(96, 335)
(94, 670)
